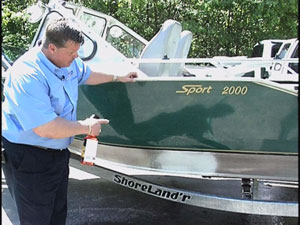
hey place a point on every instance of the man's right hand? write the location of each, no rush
(94, 125)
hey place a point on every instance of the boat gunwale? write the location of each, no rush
(262, 82)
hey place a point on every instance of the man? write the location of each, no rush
(39, 122)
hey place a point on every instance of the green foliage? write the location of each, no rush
(17, 32)
(219, 27)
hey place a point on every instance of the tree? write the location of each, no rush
(219, 27)
(17, 32)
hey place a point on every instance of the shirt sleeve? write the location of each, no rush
(30, 101)
(84, 71)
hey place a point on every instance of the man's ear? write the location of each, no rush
(52, 48)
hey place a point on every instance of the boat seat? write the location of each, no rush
(164, 43)
(182, 52)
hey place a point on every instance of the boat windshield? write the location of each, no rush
(126, 43)
(275, 48)
(283, 51)
(295, 66)
(259, 49)
(94, 22)
(295, 53)
(114, 32)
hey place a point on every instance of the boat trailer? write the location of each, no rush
(248, 202)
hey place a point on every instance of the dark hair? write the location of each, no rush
(60, 31)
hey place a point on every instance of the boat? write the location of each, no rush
(282, 71)
(184, 118)
(267, 48)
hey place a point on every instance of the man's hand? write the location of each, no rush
(100, 78)
(128, 78)
(94, 125)
(62, 128)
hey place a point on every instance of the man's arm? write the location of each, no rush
(101, 78)
(61, 128)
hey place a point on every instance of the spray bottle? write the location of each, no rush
(89, 148)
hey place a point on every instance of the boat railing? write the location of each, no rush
(206, 60)
(231, 67)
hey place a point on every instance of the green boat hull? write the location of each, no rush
(199, 115)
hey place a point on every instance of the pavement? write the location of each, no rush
(95, 201)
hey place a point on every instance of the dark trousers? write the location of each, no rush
(38, 181)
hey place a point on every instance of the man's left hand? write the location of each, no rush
(130, 77)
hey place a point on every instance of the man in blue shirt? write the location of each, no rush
(39, 122)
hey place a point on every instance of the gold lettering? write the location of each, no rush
(185, 89)
(189, 89)
(194, 88)
(235, 90)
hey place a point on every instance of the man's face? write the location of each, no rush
(64, 56)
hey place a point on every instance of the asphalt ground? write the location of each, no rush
(95, 201)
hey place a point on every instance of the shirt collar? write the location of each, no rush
(59, 72)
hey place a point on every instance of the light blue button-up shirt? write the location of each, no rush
(36, 92)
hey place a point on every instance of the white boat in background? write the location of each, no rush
(284, 71)
(266, 49)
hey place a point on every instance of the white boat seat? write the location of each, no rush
(164, 43)
(182, 52)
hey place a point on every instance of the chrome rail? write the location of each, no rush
(201, 163)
